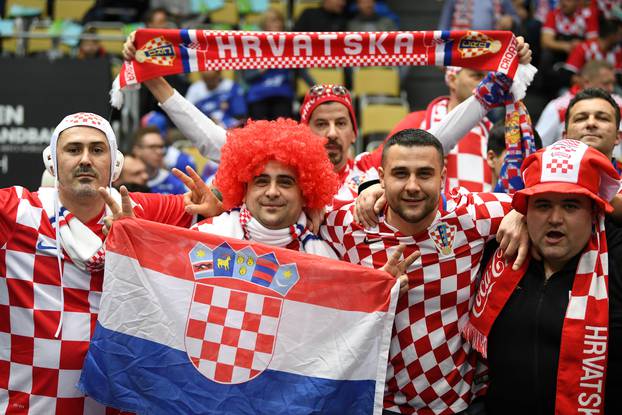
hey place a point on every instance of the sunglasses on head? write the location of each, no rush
(319, 90)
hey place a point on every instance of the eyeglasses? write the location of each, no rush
(319, 90)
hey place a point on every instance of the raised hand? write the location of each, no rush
(129, 50)
(200, 200)
(397, 268)
(118, 212)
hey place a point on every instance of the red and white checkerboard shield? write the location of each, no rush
(231, 333)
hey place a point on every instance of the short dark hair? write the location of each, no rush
(593, 93)
(496, 138)
(413, 138)
(141, 132)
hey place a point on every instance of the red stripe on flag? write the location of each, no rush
(164, 249)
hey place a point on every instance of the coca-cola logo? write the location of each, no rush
(488, 281)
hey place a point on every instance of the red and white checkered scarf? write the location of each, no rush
(79, 242)
(583, 355)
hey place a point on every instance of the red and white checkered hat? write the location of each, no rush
(85, 119)
(319, 94)
(572, 167)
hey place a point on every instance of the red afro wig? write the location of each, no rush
(248, 149)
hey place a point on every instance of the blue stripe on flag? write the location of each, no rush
(142, 376)
(183, 51)
(445, 35)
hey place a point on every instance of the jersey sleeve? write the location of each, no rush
(197, 127)
(337, 225)
(8, 214)
(549, 24)
(592, 25)
(412, 120)
(487, 211)
(576, 59)
(167, 209)
(548, 124)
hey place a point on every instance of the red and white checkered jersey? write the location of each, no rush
(605, 7)
(352, 175)
(431, 368)
(466, 162)
(582, 24)
(38, 372)
(590, 50)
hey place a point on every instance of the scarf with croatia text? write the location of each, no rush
(582, 366)
(168, 52)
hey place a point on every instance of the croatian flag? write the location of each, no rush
(195, 323)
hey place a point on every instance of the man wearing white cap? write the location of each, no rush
(51, 267)
(552, 330)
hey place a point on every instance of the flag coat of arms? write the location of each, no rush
(195, 323)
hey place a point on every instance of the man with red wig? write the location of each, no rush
(269, 172)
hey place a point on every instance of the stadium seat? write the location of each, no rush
(321, 76)
(39, 45)
(376, 81)
(227, 15)
(381, 118)
(302, 5)
(72, 9)
(31, 4)
(9, 44)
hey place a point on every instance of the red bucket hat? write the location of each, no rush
(568, 166)
(319, 94)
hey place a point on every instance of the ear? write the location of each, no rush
(381, 176)
(490, 159)
(451, 82)
(47, 160)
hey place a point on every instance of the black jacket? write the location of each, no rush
(524, 342)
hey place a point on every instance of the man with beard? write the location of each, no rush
(431, 369)
(51, 267)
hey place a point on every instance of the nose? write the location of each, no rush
(591, 120)
(272, 191)
(332, 130)
(555, 217)
(85, 159)
(412, 185)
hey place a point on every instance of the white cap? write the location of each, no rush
(85, 119)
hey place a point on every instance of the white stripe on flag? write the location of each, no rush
(312, 340)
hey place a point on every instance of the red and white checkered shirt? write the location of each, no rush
(466, 162)
(38, 372)
(352, 175)
(605, 7)
(582, 24)
(590, 50)
(431, 368)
